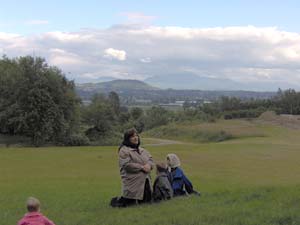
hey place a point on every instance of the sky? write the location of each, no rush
(245, 41)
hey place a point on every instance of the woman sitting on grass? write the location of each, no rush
(135, 166)
(34, 216)
(180, 183)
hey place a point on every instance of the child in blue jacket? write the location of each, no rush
(180, 183)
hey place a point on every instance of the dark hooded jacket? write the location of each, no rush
(162, 189)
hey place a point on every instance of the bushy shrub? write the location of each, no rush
(112, 139)
(76, 140)
(139, 125)
(173, 131)
(156, 116)
(14, 140)
(246, 113)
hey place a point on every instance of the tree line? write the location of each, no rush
(38, 102)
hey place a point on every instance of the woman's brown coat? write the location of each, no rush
(133, 177)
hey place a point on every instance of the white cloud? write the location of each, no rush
(245, 54)
(37, 22)
(7, 36)
(138, 17)
(115, 54)
(90, 75)
(67, 36)
(146, 60)
(67, 60)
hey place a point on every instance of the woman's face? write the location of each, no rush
(134, 139)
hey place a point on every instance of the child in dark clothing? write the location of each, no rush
(162, 189)
(180, 183)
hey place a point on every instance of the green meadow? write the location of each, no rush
(251, 178)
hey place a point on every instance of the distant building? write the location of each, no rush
(171, 104)
(143, 101)
(86, 102)
(179, 103)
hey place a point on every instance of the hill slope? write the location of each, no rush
(133, 87)
(116, 85)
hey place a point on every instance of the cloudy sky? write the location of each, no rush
(245, 41)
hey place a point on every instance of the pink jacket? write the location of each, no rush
(35, 218)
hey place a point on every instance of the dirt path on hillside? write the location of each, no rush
(161, 142)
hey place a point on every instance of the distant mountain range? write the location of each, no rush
(122, 87)
(190, 81)
(186, 81)
(93, 80)
(131, 90)
(193, 82)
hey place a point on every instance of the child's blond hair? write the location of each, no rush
(33, 204)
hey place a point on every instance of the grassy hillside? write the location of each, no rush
(233, 130)
(251, 179)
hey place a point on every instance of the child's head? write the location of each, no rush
(33, 204)
(161, 167)
(173, 160)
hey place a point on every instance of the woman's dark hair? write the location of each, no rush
(126, 140)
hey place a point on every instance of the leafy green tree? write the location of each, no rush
(36, 100)
(114, 101)
(156, 116)
(289, 101)
(212, 109)
(229, 104)
(99, 116)
(99, 113)
(136, 113)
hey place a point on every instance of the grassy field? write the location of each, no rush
(253, 178)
